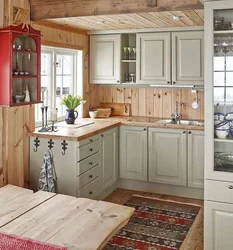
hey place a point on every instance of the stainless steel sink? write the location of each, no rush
(164, 121)
(181, 122)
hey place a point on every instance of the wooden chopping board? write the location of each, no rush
(118, 109)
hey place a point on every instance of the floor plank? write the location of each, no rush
(194, 239)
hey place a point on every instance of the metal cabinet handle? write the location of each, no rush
(230, 186)
(144, 129)
(90, 176)
(190, 132)
(90, 192)
(90, 163)
(184, 132)
(91, 149)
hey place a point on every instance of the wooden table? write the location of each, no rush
(77, 223)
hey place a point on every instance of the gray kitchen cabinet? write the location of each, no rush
(167, 156)
(153, 58)
(109, 157)
(133, 153)
(188, 57)
(196, 159)
(105, 59)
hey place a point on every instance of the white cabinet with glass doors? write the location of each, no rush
(218, 218)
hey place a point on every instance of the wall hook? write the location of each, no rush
(36, 144)
(50, 144)
(64, 146)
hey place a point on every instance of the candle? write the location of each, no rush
(46, 97)
(53, 115)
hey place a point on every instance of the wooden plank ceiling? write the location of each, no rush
(134, 20)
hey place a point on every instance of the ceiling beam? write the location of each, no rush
(49, 9)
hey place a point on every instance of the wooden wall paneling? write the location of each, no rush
(120, 95)
(158, 103)
(135, 101)
(127, 95)
(167, 103)
(1, 147)
(114, 95)
(191, 14)
(185, 95)
(149, 102)
(142, 102)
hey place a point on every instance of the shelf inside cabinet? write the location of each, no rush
(223, 32)
(23, 76)
(24, 103)
(228, 140)
(24, 51)
(128, 61)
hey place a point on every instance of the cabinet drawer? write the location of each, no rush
(88, 140)
(87, 150)
(88, 176)
(91, 190)
(219, 191)
(88, 163)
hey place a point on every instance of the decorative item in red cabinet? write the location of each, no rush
(20, 55)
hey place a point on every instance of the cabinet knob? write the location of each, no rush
(230, 186)
(90, 192)
(91, 140)
(91, 149)
(102, 135)
(90, 176)
(184, 132)
(190, 132)
(174, 82)
(118, 81)
(90, 163)
(144, 129)
(168, 82)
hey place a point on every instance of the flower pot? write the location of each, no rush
(71, 115)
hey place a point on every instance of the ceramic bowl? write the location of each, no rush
(223, 125)
(229, 116)
(222, 133)
(219, 116)
(19, 98)
(93, 114)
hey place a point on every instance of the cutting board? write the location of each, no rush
(118, 108)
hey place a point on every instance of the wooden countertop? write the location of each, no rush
(60, 219)
(85, 127)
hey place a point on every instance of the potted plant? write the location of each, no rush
(71, 102)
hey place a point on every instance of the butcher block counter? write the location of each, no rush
(86, 127)
(65, 221)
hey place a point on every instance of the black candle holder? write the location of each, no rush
(53, 128)
(44, 112)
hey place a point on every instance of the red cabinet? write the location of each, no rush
(20, 52)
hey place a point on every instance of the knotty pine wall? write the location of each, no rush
(151, 102)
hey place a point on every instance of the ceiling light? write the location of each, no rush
(176, 18)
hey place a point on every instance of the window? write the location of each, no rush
(61, 74)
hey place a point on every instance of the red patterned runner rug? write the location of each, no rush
(12, 242)
(155, 225)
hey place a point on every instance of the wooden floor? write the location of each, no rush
(194, 239)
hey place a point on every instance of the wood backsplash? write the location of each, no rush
(150, 102)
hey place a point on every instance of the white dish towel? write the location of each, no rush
(47, 179)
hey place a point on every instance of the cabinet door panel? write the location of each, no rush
(196, 159)
(167, 156)
(133, 153)
(188, 57)
(153, 64)
(218, 226)
(105, 59)
(109, 158)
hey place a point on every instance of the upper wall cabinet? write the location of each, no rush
(187, 57)
(105, 59)
(171, 58)
(19, 65)
(154, 58)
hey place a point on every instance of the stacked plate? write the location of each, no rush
(223, 125)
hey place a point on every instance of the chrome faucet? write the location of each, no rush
(176, 116)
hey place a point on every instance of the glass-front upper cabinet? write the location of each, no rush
(19, 65)
(219, 91)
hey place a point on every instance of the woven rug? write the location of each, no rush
(155, 225)
(11, 242)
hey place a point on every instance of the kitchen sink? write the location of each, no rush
(181, 122)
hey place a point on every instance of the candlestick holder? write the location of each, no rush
(44, 112)
(53, 128)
